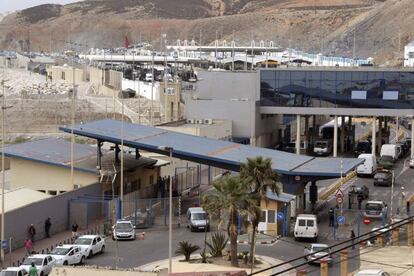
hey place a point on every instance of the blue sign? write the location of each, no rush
(341, 219)
(280, 216)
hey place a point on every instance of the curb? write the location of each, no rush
(335, 186)
(272, 241)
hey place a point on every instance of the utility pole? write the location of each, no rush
(2, 173)
(152, 89)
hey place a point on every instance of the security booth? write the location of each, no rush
(275, 216)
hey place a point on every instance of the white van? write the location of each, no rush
(306, 226)
(322, 147)
(389, 150)
(197, 219)
(148, 77)
(369, 167)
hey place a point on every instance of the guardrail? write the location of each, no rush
(335, 186)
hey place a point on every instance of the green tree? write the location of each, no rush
(258, 171)
(231, 195)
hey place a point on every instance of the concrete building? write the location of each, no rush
(45, 165)
(66, 73)
(233, 96)
(409, 55)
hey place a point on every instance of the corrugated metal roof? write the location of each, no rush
(210, 151)
(21, 197)
(51, 151)
(283, 197)
(54, 151)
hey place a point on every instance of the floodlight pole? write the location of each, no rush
(2, 174)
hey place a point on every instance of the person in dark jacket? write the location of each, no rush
(48, 225)
(353, 238)
(32, 232)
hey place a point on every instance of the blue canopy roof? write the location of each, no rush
(208, 151)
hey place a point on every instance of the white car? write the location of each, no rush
(372, 272)
(91, 244)
(324, 253)
(13, 271)
(68, 254)
(123, 230)
(43, 263)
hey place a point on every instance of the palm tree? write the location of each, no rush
(262, 179)
(231, 195)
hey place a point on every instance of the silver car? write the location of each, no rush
(324, 254)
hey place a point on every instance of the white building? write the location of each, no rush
(409, 54)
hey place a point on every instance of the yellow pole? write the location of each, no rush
(324, 268)
(380, 240)
(396, 237)
(410, 234)
(344, 263)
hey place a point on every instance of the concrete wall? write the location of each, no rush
(221, 130)
(143, 88)
(43, 177)
(57, 208)
(66, 74)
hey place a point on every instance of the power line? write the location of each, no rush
(372, 234)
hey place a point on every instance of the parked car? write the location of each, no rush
(43, 263)
(383, 178)
(123, 230)
(375, 209)
(290, 147)
(372, 272)
(91, 244)
(412, 163)
(13, 271)
(380, 230)
(306, 226)
(68, 254)
(362, 147)
(324, 254)
(386, 162)
(197, 219)
(361, 191)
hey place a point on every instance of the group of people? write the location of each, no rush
(29, 242)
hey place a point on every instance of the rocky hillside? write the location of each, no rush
(380, 27)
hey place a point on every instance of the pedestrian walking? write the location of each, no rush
(33, 270)
(353, 238)
(331, 217)
(32, 232)
(74, 230)
(48, 225)
(29, 246)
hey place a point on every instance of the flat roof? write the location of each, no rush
(20, 197)
(218, 153)
(56, 152)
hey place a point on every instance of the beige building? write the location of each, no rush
(45, 165)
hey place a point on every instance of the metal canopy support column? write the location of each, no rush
(298, 134)
(397, 128)
(342, 136)
(380, 129)
(412, 137)
(335, 138)
(374, 135)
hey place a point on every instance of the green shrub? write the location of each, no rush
(185, 248)
(217, 244)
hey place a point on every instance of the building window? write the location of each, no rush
(410, 54)
(52, 192)
(63, 76)
(271, 216)
(151, 179)
(139, 184)
(263, 216)
(390, 95)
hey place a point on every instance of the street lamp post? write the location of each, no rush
(3, 174)
(170, 151)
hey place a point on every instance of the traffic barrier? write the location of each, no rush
(332, 188)
(324, 268)
(142, 236)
